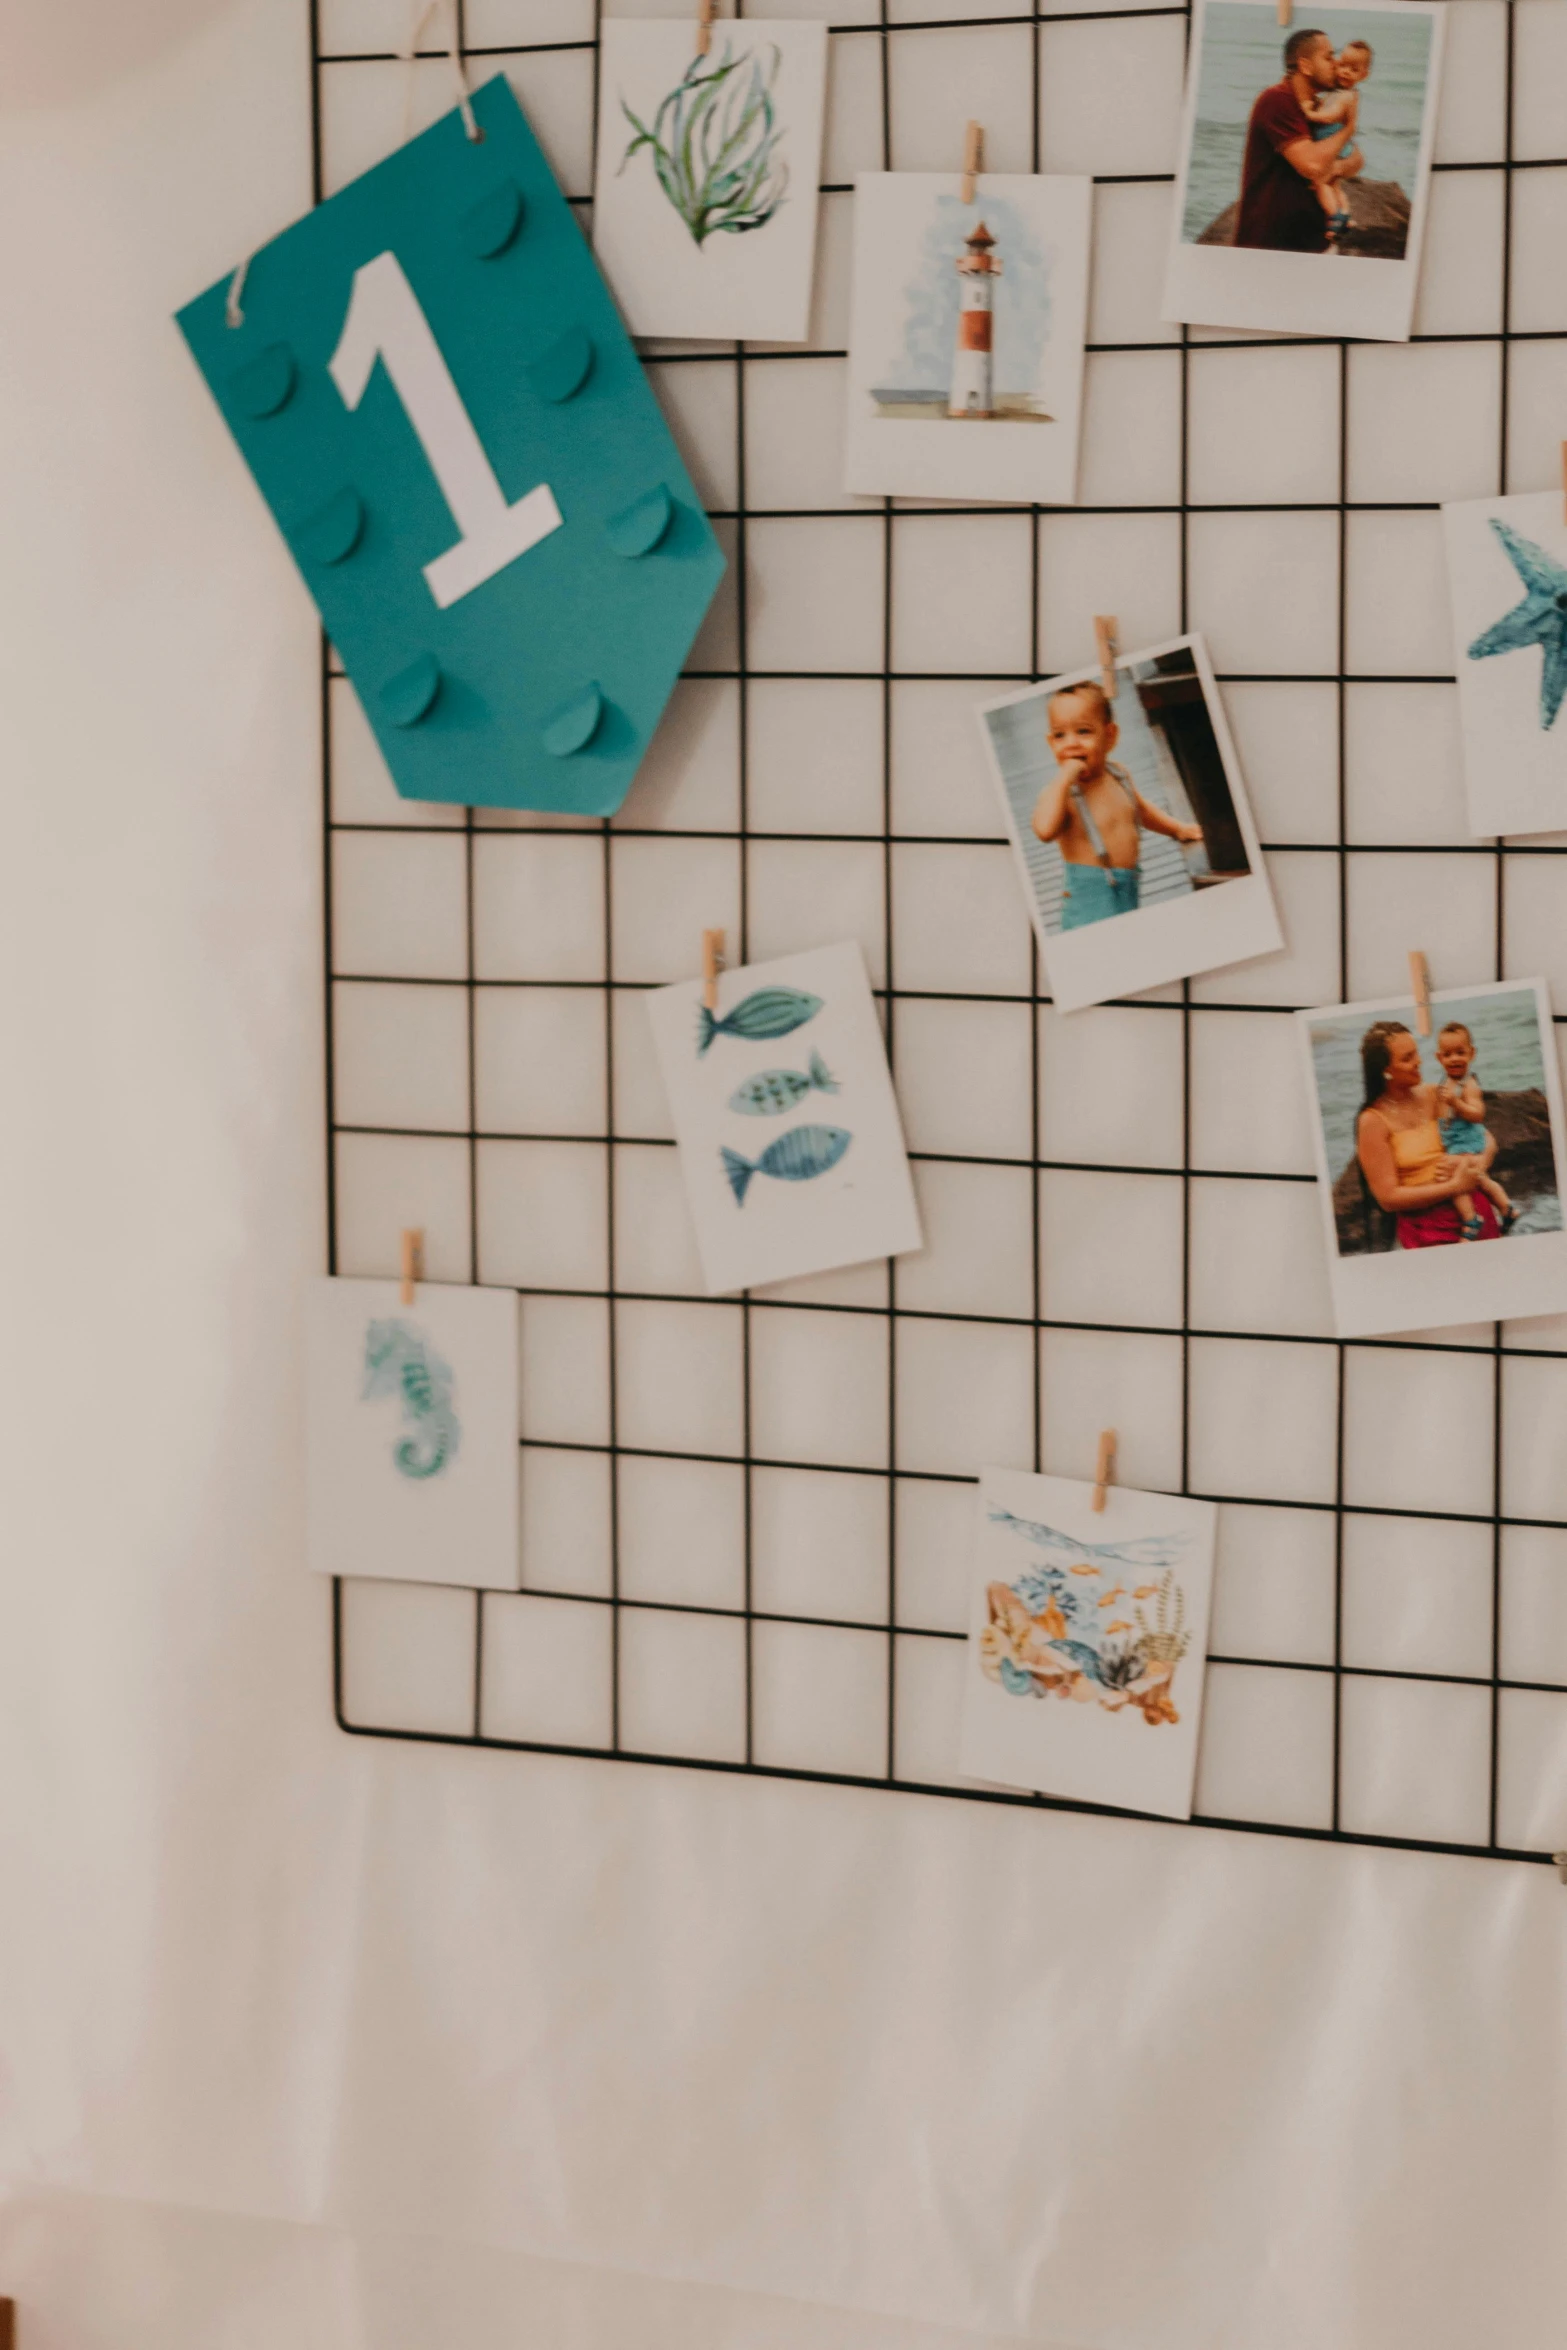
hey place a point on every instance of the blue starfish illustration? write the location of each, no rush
(1541, 619)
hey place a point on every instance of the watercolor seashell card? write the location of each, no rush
(1088, 1634)
(791, 1147)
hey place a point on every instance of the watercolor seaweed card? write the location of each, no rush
(1305, 167)
(791, 1147)
(1087, 1640)
(704, 202)
(966, 336)
(1507, 578)
(412, 1459)
(1439, 1158)
(1134, 839)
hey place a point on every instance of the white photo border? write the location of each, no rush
(1301, 293)
(1398, 1290)
(1233, 923)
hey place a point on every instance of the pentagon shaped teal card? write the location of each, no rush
(431, 385)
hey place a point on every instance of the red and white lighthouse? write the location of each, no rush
(973, 366)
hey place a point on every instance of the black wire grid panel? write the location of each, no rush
(746, 1521)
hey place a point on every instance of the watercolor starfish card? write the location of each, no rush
(1439, 1158)
(1305, 167)
(411, 1433)
(1134, 840)
(1507, 575)
(1086, 1632)
(790, 1142)
(704, 205)
(967, 316)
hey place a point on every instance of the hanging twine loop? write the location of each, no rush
(423, 11)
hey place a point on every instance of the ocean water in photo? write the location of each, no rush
(1506, 1032)
(1243, 53)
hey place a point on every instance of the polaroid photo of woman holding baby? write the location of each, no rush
(1131, 826)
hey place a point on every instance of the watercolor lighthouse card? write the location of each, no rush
(966, 336)
(790, 1142)
(1086, 1632)
(411, 1465)
(1507, 575)
(704, 203)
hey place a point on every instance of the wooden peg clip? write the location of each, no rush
(413, 1264)
(1104, 1472)
(704, 27)
(1560, 1859)
(1564, 481)
(1420, 989)
(1286, 11)
(1105, 639)
(7, 2325)
(973, 157)
(712, 964)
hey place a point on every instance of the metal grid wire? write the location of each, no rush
(1487, 1359)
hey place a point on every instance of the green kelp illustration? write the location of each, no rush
(714, 143)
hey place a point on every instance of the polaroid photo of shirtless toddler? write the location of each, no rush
(1129, 818)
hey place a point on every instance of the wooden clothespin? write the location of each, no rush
(704, 27)
(1105, 639)
(712, 964)
(413, 1264)
(973, 157)
(1105, 1468)
(1286, 11)
(1420, 989)
(1560, 1859)
(1564, 481)
(7, 2325)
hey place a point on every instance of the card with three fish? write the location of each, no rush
(791, 1146)
(1507, 576)
(1087, 1631)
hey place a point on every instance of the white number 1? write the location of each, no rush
(385, 321)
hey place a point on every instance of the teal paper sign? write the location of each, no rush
(433, 389)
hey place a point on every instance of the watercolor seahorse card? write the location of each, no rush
(1088, 1635)
(704, 205)
(1507, 577)
(791, 1147)
(966, 336)
(412, 1460)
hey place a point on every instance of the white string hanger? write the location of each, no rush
(421, 13)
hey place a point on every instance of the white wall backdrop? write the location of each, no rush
(351, 2043)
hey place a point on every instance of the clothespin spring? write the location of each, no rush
(1420, 989)
(712, 964)
(1105, 639)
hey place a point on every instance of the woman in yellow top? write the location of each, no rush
(1398, 1141)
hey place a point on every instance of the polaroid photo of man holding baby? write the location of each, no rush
(1305, 167)
(1130, 824)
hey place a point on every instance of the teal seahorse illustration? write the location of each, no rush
(400, 1361)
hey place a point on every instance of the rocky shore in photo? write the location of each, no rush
(1524, 1165)
(1378, 221)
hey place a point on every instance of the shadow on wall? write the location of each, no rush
(56, 54)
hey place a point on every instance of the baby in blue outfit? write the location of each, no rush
(1464, 1131)
(1328, 112)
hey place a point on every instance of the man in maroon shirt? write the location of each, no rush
(1283, 162)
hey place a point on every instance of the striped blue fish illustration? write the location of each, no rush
(795, 1157)
(773, 1091)
(770, 1011)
